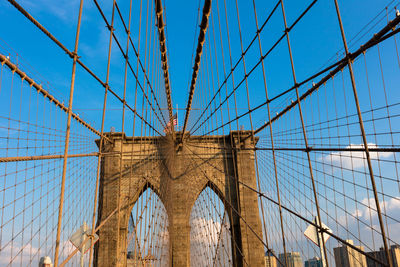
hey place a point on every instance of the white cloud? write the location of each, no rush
(388, 206)
(357, 213)
(205, 231)
(28, 255)
(365, 224)
(99, 46)
(25, 255)
(367, 211)
(61, 8)
(354, 159)
(211, 237)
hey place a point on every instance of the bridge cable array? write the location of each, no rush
(323, 136)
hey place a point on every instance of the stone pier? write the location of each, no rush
(178, 172)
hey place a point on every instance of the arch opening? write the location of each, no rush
(210, 234)
(148, 237)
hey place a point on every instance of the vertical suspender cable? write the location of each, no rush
(364, 138)
(67, 135)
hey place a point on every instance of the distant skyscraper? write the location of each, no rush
(314, 262)
(381, 255)
(348, 257)
(270, 260)
(293, 259)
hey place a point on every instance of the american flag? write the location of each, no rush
(175, 118)
(168, 126)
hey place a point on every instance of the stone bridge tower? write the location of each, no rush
(178, 173)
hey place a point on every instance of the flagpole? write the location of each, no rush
(177, 122)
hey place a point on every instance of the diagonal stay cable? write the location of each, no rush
(233, 208)
(377, 38)
(140, 62)
(129, 64)
(237, 63)
(322, 229)
(71, 55)
(267, 101)
(337, 67)
(247, 49)
(195, 165)
(45, 93)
